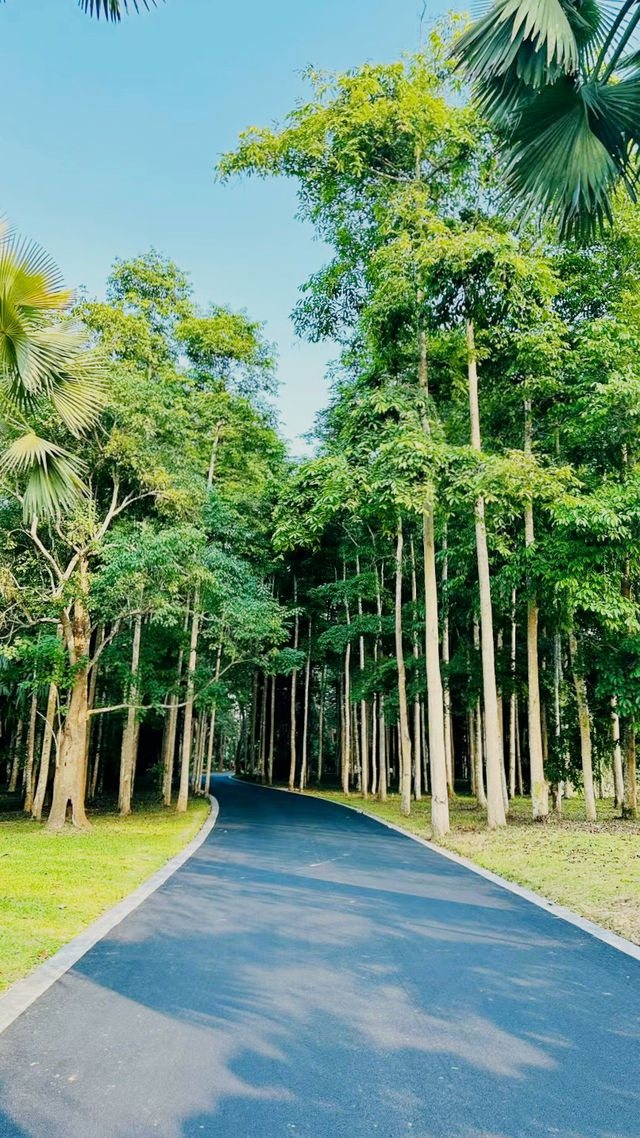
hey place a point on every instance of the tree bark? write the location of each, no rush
(185, 760)
(513, 701)
(446, 693)
(417, 740)
(31, 750)
(539, 785)
(293, 755)
(305, 721)
(129, 736)
(584, 721)
(495, 804)
(364, 741)
(17, 750)
(346, 733)
(618, 776)
(272, 729)
(630, 807)
(70, 776)
(405, 737)
(45, 754)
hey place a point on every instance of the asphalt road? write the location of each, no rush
(309, 973)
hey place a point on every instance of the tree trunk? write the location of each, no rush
(346, 733)
(321, 723)
(96, 761)
(446, 693)
(417, 741)
(272, 729)
(293, 755)
(70, 776)
(513, 702)
(305, 722)
(382, 753)
(364, 741)
(630, 807)
(405, 737)
(618, 776)
(495, 804)
(187, 730)
(31, 750)
(17, 751)
(585, 732)
(45, 754)
(129, 736)
(539, 785)
(212, 722)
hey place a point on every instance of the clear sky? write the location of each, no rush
(111, 133)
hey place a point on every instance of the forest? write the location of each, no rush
(441, 598)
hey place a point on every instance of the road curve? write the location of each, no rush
(310, 973)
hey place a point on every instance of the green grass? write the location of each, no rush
(53, 886)
(592, 868)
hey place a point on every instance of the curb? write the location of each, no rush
(560, 911)
(25, 992)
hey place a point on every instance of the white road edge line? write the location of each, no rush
(25, 992)
(560, 911)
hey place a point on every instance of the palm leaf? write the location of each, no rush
(113, 9)
(527, 35)
(53, 475)
(559, 165)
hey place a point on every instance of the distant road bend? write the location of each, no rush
(310, 973)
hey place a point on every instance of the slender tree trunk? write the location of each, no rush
(539, 785)
(346, 752)
(272, 729)
(446, 693)
(293, 756)
(93, 789)
(495, 804)
(618, 776)
(630, 806)
(305, 722)
(584, 721)
(364, 741)
(212, 721)
(45, 754)
(17, 751)
(405, 737)
(129, 737)
(187, 730)
(435, 700)
(513, 701)
(321, 723)
(417, 741)
(382, 754)
(31, 750)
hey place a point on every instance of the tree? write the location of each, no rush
(46, 369)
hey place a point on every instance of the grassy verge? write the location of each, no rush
(53, 886)
(593, 869)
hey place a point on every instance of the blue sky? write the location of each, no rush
(113, 133)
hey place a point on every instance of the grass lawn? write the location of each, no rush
(592, 868)
(53, 886)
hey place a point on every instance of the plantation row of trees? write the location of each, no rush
(444, 595)
(463, 546)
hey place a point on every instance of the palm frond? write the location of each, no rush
(113, 9)
(53, 475)
(527, 35)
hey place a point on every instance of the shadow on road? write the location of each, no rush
(310, 973)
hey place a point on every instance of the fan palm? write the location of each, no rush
(559, 80)
(113, 9)
(47, 370)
